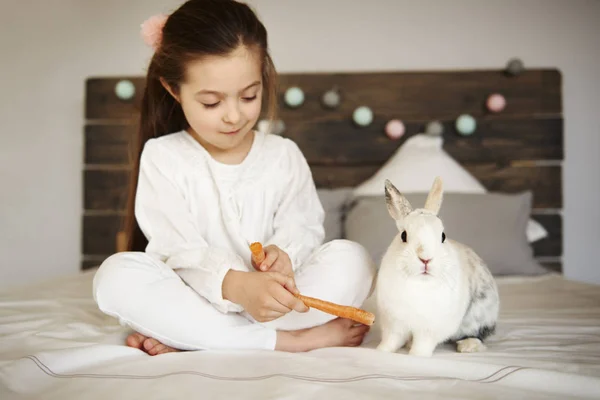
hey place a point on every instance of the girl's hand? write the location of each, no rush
(264, 295)
(276, 260)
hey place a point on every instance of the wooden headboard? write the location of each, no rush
(520, 148)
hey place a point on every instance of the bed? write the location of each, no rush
(56, 344)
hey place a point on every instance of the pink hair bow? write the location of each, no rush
(152, 30)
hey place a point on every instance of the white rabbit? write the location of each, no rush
(430, 289)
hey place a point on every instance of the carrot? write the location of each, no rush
(258, 254)
(353, 313)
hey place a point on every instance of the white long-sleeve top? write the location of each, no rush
(199, 215)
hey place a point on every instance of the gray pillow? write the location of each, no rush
(493, 224)
(334, 203)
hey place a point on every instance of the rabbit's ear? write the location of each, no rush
(397, 205)
(435, 197)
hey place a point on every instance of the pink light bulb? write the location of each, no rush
(496, 102)
(394, 129)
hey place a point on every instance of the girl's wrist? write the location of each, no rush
(229, 286)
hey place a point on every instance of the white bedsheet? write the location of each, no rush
(55, 344)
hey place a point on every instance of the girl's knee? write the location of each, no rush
(107, 277)
(347, 246)
(353, 258)
(117, 275)
(106, 272)
(361, 265)
(349, 265)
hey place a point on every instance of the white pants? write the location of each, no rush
(148, 296)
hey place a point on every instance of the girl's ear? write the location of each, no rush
(169, 89)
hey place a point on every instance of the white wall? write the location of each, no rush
(48, 48)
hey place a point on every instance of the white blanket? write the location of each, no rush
(55, 344)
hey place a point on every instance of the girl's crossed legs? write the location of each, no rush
(149, 297)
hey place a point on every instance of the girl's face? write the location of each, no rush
(221, 98)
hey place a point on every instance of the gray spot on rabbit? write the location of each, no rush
(479, 321)
(480, 295)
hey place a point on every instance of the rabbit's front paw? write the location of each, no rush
(422, 347)
(392, 341)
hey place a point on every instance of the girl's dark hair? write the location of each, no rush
(198, 28)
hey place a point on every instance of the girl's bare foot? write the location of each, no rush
(148, 344)
(339, 332)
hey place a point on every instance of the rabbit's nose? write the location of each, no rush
(425, 261)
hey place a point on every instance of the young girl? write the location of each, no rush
(208, 185)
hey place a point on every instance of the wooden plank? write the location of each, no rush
(108, 144)
(555, 266)
(426, 95)
(92, 261)
(342, 143)
(505, 140)
(100, 236)
(341, 176)
(100, 233)
(545, 182)
(399, 94)
(107, 189)
(102, 102)
(552, 246)
(552, 84)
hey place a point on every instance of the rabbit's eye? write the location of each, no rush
(443, 237)
(403, 236)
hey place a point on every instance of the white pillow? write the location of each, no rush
(414, 166)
